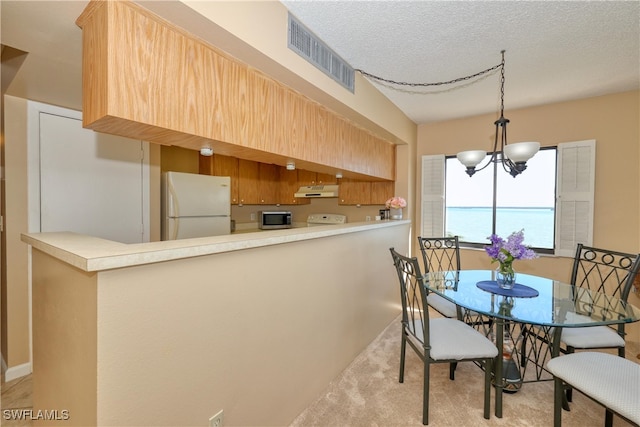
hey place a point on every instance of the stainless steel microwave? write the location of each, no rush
(271, 220)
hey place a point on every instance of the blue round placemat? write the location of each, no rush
(518, 291)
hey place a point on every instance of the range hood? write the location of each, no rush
(317, 191)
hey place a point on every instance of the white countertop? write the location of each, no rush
(95, 254)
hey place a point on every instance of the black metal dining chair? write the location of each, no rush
(440, 254)
(437, 340)
(602, 272)
(607, 272)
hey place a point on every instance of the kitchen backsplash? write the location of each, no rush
(242, 214)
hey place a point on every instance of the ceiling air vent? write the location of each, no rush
(309, 46)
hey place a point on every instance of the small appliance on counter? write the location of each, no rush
(273, 220)
(326, 219)
(195, 205)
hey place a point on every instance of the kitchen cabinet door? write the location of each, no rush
(354, 192)
(312, 178)
(248, 178)
(306, 177)
(219, 165)
(227, 166)
(381, 191)
(205, 165)
(288, 185)
(326, 178)
(268, 184)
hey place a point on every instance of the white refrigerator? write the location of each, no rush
(195, 205)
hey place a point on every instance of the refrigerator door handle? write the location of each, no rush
(173, 210)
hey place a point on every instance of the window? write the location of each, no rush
(525, 202)
(552, 200)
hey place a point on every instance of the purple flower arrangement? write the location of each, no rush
(509, 250)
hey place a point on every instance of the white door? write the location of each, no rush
(91, 183)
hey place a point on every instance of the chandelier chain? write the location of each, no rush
(502, 86)
(448, 82)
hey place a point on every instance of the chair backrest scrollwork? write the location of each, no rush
(440, 253)
(605, 271)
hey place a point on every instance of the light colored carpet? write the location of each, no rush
(368, 393)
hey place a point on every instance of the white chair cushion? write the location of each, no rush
(452, 339)
(443, 305)
(611, 380)
(591, 337)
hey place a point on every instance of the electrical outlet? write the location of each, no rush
(216, 420)
(368, 218)
(253, 216)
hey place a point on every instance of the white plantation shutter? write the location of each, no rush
(432, 218)
(575, 195)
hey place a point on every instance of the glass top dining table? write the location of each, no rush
(546, 304)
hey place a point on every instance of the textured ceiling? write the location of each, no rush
(555, 51)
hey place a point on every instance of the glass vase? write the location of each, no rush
(396, 213)
(506, 279)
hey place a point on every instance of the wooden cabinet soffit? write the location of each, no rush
(145, 78)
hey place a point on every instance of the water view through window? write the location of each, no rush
(525, 202)
(473, 224)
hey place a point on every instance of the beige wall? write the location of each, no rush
(65, 312)
(258, 333)
(17, 351)
(612, 120)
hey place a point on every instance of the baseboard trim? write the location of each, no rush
(17, 371)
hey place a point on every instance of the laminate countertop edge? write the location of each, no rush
(90, 253)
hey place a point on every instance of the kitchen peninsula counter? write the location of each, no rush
(94, 254)
(255, 324)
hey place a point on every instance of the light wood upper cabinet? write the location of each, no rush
(289, 184)
(313, 178)
(268, 184)
(220, 165)
(227, 166)
(258, 183)
(148, 79)
(381, 191)
(305, 177)
(352, 192)
(248, 177)
(325, 178)
(205, 165)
